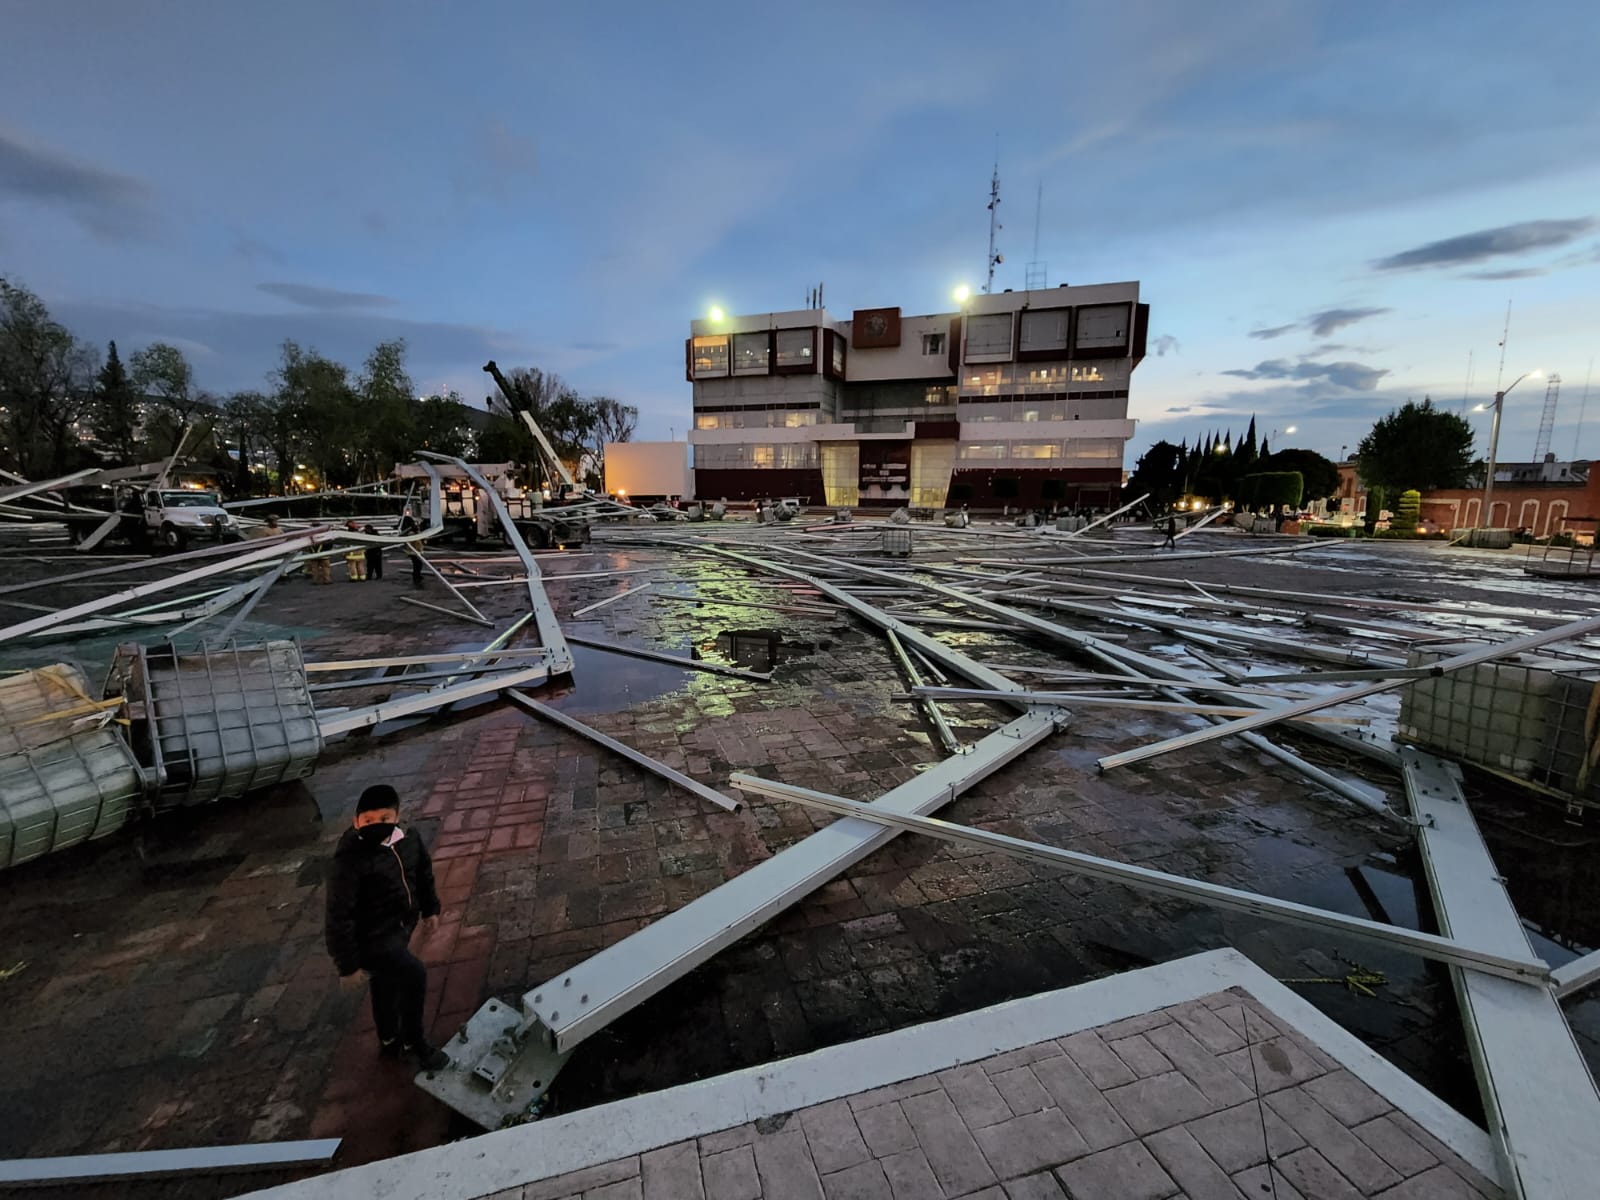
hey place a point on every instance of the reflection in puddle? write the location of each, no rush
(760, 649)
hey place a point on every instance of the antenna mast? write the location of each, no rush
(1505, 337)
(1467, 387)
(1582, 404)
(1547, 419)
(995, 256)
(1038, 272)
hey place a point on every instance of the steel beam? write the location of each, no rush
(1540, 1099)
(1457, 662)
(589, 608)
(677, 660)
(363, 718)
(1576, 975)
(160, 1164)
(557, 717)
(1524, 968)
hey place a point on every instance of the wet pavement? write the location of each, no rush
(168, 987)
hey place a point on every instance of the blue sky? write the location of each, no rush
(565, 186)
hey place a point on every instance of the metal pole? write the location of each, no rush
(1523, 968)
(1494, 446)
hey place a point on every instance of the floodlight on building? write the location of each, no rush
(716, 312)
(962, 294)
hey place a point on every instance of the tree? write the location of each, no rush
(313, 417)
(1161, 471)
(246, 417)
(614, 421)
(116, 410)
(1271, 489)
(384, 424)
(1407, 512)
(46, 388)
(442, 425)
(1416, 446)
(165, 379)
(1321, 474)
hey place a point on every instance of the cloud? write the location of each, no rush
(1330, 320)
(593, 347)
(1167, 344)
(1515, 273)
(1275, 332)
(308, 295)
(253, 249)
(1488, 243)
(109, 205)
(1353, 375)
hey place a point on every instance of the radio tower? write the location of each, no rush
(995, 256)
(1547, 420)
(1038, 272)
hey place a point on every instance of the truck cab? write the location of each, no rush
(174, 516)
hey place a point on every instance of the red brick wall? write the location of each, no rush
(1539, 508)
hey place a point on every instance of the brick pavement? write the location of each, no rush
(178, 969)
(1240, 1095)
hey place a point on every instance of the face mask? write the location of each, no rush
(379, 832)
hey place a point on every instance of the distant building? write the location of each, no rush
(1020, 399)
(1548, 471)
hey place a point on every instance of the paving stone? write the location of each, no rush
(731, 1175)
(1238, 1137)
(1396, 1147)
(1021, 1090)
(577, 1182)
(1314, 1176)
(956, 1161)
(1140, 1056)
(894, 1091)
(1443, 1153)
(783, 1160)
(1042, 1186)
(1129, 1026)
(1273, 1065)
(1021, 1057)
(974, 1096)
(1188, 1163)
(1258, 1183)
(1202, 1068)
(1096, 1059)
(727, 1139)
(672, 1173)
(1096, 1121)
(1029, 1143)
(1353, 1158)
(864, 1181)
(1158, 1102)
(885, 1129)
(1440, 1183)
(910, 1177)
(1207, 1028)
(624, 1189)
(832, 1135)
(1347, 1098)
(1128, 1172)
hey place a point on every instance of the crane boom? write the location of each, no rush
(522, 404)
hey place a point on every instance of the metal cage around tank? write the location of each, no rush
(217, 721)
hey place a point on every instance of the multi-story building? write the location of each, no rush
(1020, 398)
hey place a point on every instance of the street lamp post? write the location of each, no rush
(1494, 444)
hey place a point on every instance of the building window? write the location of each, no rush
(1095, 448)
(939, 395)
(1044, 329)
(793, 456)
(710, 356)
(798, 420)
(989, 336)
(1102, 327)
(750, 352)
(1086, 373)
(706, 421)
(991, 450)
(932, 343)
(1035, 449)
(795, 347)
(838, 356)
(761, 456)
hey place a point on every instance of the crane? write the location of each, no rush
(522, 404)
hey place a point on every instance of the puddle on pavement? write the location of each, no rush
(761, 649)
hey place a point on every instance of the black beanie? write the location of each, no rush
(379, 795)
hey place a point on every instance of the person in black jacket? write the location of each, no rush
(382, 884)
(408, 524)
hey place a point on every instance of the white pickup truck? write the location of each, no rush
(174, 516)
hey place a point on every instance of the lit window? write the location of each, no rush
(794, 455)
(750, 353)
(1044, 329)
(1035, 449)
(705, 421)
(1087, 373)
(994, 450)
(761, 456)
(838, 355)
(1028, 414)
(710, 356)
(933, 343)
(798, 420)
(938, 395)
(795, 347)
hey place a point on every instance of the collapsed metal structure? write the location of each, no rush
(1538, 1093)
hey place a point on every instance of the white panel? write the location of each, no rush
(1045, 329)
(647, 468)
(989, 336)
